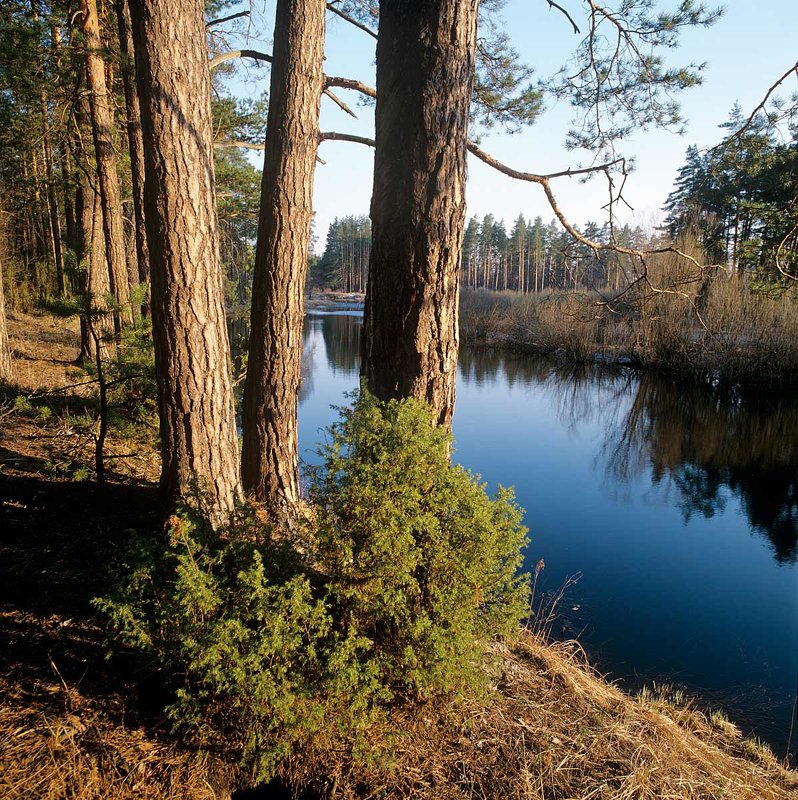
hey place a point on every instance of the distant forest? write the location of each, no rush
(531, 257)
(736, 200)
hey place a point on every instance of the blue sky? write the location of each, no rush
(746, 50)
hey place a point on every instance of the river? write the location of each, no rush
(675, 508)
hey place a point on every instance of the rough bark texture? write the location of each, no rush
(270, 454)
(52, 201)
(6, 367)
(102, 123)
(425, 68)
(134, 138)
(192, 354)
(98, 283)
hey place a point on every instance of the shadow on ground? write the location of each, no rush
(61, 545)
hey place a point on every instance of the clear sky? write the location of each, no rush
(746, 50)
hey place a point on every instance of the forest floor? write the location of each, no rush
(76, 724)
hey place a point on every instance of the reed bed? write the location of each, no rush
(707, 325)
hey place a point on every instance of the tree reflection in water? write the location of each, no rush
(706, 444)
(341, 333)
(710, 444)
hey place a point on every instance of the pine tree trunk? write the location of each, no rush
(425, 69)
(70, 189)
(102, 123)
(270, 450)
(98, 284)
(6, 367)
(135, 142)
(52, 202)
(192, 355)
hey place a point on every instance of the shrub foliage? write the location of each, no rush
(389, 593)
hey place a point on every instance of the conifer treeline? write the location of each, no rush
(740, 198)
(532, 257)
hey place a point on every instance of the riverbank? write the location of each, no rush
(334, 301)
(732, 335)
(73, 724)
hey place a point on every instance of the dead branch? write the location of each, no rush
(350, 83)
(229, 56)
(340, 103)
(236, 143)
(333, 136)
(229, 18)
(565, 13)
(351, 20)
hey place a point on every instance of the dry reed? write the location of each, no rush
(708, 325)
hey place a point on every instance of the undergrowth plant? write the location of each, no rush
(417, 558)
(390, 592)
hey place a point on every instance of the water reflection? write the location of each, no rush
(707, 445)
(341, 334)
(652, 491)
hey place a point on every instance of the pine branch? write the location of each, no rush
(351, 20)
(219, 21)
(222, 57)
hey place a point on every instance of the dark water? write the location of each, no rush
(678, 507)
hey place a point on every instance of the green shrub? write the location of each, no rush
(417, 558)
(233, 615)
(388, 594)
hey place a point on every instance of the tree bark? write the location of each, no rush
(98, 284)
(425, 69)
(102, 123)
(135, 142)
(52, 201)
(199, 447)
(270, 452)
(6, 367)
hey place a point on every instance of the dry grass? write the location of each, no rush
(44, 350)
(553, 729)
(705, 325)
(550, 728)
(80, 754)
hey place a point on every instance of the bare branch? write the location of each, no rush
(747, 124)
(235, 143)
(351, 20)
(226, 19)
(340, 103)
(350, 83)
(334, 136)
(559, 8)
(534, 177)
(544, 181)
(222, 57)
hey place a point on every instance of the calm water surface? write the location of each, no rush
(678, 509)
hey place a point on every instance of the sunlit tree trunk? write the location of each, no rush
(54, 226)
(192, 355)
(270, 451)
(6, 367)
(102, 122)
(135, 142)
(425, 68)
